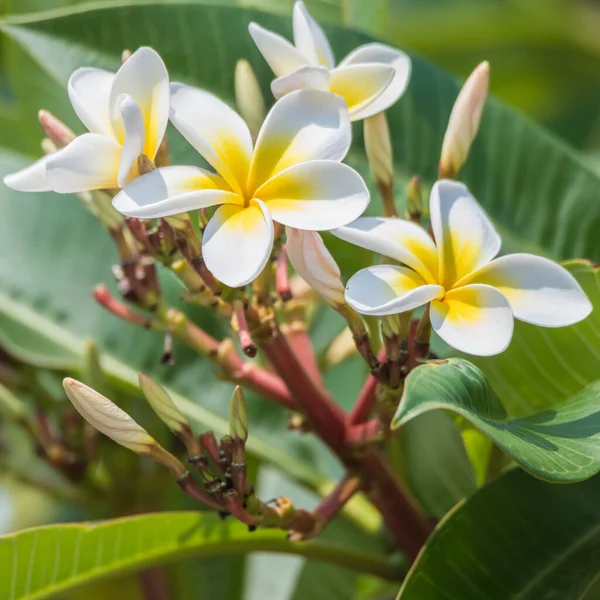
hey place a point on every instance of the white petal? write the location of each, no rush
(388, 289)
(30, 179)
(304, 78)
(360, 86)
(401, 240)
(89, 92)
(318, 195)
(135, 137)
(302, 126)
(216, 131)
(314, 263)
(476, 319)
(237, 243)
(539, 291)
(280, 55)
(144, 77)
(465, 237)
(310, 39)
(89, 162)
(171, 191)
(382, 54)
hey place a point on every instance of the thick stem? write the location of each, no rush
(326, 417)
(365, 433)
(400, 514)
(301, 344)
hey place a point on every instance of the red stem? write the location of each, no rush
(335, 501)
(282, 278)
(301, 343)
(365, 433)
(105, 299)
(248, 346)
(365, 403)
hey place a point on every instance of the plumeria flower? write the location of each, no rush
(473, 296)
(292, 175)
(370, 79)
(126, 114)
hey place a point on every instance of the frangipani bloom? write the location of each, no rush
(126, 114)
(292, 175)
(473, 296)
(370, 79)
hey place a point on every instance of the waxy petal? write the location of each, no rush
(89, 162)
(401, 240)
(313, 262)
(135, 137)
(318, 195)
(476, 319)
(310, 39)
(237, 243)
(360, 86)
(216, 131)
(382, 54)
(30, 179)
(388, 289)
(89, 92)
(539, 291)
(144, 77)
(281, 56)
(302, 126)
(465, 237)
(171, 191)
(304, 78)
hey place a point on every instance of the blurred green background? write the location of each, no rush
(545, 54)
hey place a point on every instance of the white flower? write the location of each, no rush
(314, 264)
(370, 79)
(292, 175)
(473, 296)
(464, 121)
(126, 114)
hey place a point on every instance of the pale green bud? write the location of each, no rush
(238, 415)
(378, 145)
(162, 405)
(248, 97)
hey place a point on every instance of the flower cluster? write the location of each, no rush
(291, 173)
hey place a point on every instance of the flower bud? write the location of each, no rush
(378, 145)
(115, 423)
(464, 122)
(238, 415)
(55, 129)
(414, 200)
(248, 97)
(162, 404)
(315, 265)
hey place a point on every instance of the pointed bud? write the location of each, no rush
(378, 145)
(125, 55)
(248, 97)
(48, 146)
(55, 129)
(315, 265)
(238, 415)
(414, 200)
(115, 423)
(464, 122)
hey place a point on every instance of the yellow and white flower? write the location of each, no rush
(370, 79)
(473, 296)
(292, 175)
(126, 114)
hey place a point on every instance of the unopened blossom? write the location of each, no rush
(314, 263)
(473, 296)
(464, 121)
(292, 175)
(126, 114)
(370, 79)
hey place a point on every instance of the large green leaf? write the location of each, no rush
(562, 444)
(518, 537)
(543, 367)
(41, 562)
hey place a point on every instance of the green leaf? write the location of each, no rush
(543, 367)
(561, 444)
(44, 561)
(518, 537)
